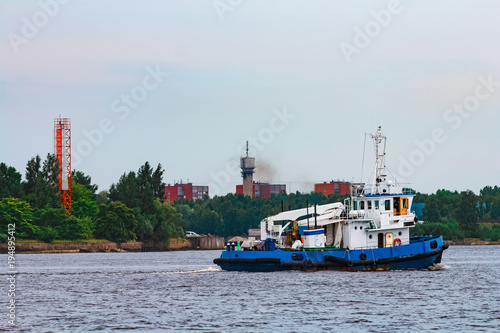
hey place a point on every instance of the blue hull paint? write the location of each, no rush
(422, 252)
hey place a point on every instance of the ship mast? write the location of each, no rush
(379, 173)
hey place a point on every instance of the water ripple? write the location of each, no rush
(159, 292)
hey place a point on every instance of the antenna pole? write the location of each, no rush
(315, 218)
(363, 161)
(307, 210)
(379, 158)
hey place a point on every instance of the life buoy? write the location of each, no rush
(362, 256)
(397, 242)
(308, 263)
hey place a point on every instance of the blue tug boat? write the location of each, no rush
(367, 232)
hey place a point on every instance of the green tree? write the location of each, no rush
(51, 171)
(145, 190)
(139, 189)
(76, 228)
(157, 182)
(32, 174)
(420, 197)
(431, 210)
(49, 221)
(18, 212)
(10, 182)
(126, 190)
(145, 225)
(102, 198)
(489, 202)
(80, 178)
(83, 202)
(41, 186)
(449, 229)
(495, 208)
(466, 214)
(54, 223)
(440, 206)
(169, 222)
(33, 183)
(116, 222)
(206, 221)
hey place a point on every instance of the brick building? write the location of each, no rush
(185, 191)
(264, 190)
(333, 187)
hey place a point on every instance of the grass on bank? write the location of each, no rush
(75, 241)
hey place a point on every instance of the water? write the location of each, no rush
(184, 291)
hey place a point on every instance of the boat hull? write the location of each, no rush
(421, 252)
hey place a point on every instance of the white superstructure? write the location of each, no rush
(376, 215)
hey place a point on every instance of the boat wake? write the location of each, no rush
(437, 267)
(206, 270)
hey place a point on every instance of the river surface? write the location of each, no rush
(185, 291)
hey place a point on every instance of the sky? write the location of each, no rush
(185, 83)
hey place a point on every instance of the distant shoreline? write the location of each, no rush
(471, 242)
(175, 245)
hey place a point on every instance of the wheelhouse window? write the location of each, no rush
(355, 205)
(361, 205)
(369, 204)
(376, 204)
(388, 205)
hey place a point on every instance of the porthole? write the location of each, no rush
(355, 228)
(370, 236)
(400, 233)
(361, 228)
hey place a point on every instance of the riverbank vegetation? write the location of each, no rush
(456, 215)
(134, 209)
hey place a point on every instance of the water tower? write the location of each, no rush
(247, 165)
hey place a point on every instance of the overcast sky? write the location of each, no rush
(186, 83)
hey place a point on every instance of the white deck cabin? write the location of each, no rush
(376, 215)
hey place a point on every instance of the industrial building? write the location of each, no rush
(263, 190)
(185, 191)
(334, 187)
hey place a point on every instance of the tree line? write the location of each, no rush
(134, 208)
(234, 214)
(458, 215)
